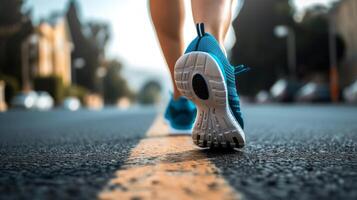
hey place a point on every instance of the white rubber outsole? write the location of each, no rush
(215, 126)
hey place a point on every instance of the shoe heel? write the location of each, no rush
(199, 78)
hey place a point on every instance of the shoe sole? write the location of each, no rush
(199, 78)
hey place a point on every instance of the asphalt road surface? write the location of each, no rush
(293, 152)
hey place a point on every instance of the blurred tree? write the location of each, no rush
(10, 12)
(15, 28)
(149, 93)
(76, 91)
(89, 42)
(257, 46)
(313, 42)
(98, 33)
(114, 85)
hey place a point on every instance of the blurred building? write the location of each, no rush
(47, 52)
(3, 106)
(344, 16)
(54, 47)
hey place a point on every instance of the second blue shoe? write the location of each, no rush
(180, 115)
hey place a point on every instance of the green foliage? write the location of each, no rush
(89, 46)
(18, 26)
(150, 93)
(114, 85)
(10, 12)
(51, 84)
(313, 42)
(257, 46)
(11, 87)
(98, 33)
(76, 91)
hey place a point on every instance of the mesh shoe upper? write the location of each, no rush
(181, 113)
(207, 43)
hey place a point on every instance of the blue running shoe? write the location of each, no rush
(204, 75)
(180, 114)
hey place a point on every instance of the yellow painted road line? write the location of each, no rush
(158, 128)
(168, 167)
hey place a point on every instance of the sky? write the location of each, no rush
(133, 38)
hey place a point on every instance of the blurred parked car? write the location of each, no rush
(44, 101)
(33, 100)
(284, 90)
(313, 92)
(263, 97)
(26, 100)
(350, 93)
(71, 103)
